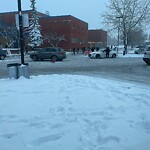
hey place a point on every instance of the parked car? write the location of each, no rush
(53, 53)
(3, 53)
(146, 57)
(102, 54)
(139, 51)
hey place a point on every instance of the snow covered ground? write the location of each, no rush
(73, 112)
(130, 55)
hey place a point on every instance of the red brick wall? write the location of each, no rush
(67, 26)
(97, 36)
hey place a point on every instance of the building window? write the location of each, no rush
(75, 40)
(73, 27)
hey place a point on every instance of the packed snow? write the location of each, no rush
(73, 112)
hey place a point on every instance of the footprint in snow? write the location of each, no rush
(45, 139)
(9, 135)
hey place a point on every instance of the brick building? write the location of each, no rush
(97, 38)
(74, 30)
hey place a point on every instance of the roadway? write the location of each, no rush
(131, 69)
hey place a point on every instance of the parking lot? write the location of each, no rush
(131, 69)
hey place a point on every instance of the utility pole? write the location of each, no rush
(21, 40)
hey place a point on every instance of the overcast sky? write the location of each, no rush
(86, 10)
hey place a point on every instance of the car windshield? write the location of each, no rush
(60, 49)
(39, 50)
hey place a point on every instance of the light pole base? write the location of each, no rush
(17, 70)
(24, 70)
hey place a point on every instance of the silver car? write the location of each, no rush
(53, 53)
(146, 57)
(102, 54)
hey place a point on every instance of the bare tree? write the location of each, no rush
(136, 37)
(54, 39)
(9, 33)
(111, 40)
(127, 15)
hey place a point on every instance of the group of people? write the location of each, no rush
(75, 51)
(107, 50)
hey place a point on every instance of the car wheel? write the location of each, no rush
(34, 58)
(114, 56)
(2, 57)
(148, 63)
(54, 58)
(97, 56)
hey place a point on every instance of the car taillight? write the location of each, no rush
(61, 53)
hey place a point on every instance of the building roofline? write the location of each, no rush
(44, 15)
(97, 30)
(23, 11)
(61, 16)
(8, 12)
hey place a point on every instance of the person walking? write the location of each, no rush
(74, 51)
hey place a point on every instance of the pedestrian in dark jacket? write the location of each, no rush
(74, 51)
(107, 50)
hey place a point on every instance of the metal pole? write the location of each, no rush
(21, 40)
(119, 17)
(118, 37)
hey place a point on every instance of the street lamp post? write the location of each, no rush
(21, 40)
(16, 70)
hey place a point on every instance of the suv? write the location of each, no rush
(2, 53)
(53, 53)
(146, 57)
